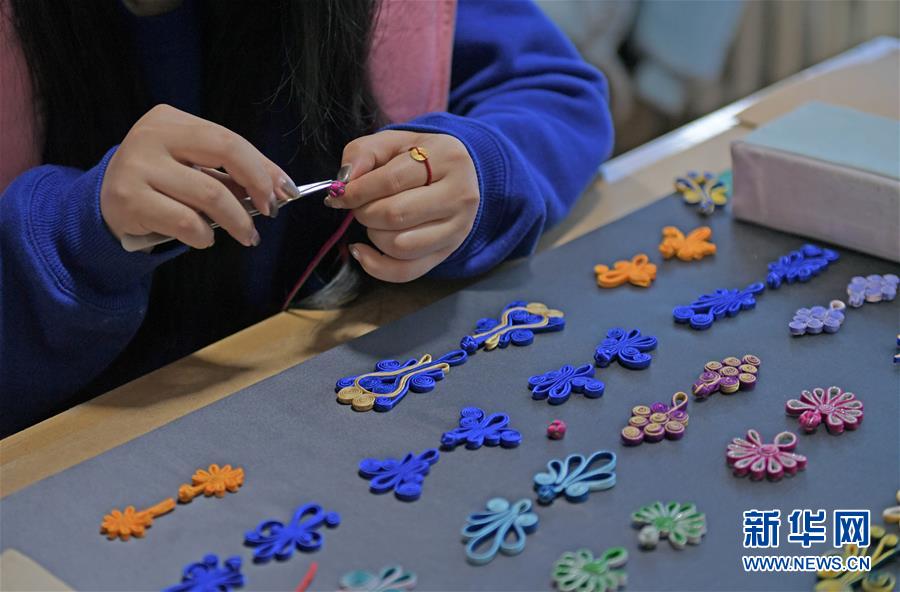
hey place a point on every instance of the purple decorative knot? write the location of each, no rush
(873, 288)
(657, 421)
(728, 376)
(818, 319)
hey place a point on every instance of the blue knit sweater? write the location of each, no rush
(532, 114)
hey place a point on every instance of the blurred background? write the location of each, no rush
(671, 61)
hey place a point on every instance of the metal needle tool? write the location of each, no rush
(131, 242)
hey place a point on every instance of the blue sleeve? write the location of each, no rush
(71, 297)
(534, 118)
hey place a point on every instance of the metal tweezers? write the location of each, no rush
(131, 242)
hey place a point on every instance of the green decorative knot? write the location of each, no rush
(681, 523)
(583, 572)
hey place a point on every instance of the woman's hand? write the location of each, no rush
(163, 177)
(415, 227)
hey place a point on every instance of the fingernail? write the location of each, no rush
(273, 206)
(290, 188)
(354, 252)
(254, 240)
(344, 173)
(332, 202)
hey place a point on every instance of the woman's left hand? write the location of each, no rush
(415, 227)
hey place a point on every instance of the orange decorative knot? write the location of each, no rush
(132, 522)
(694, 246)
(213, 481)
(639, 271)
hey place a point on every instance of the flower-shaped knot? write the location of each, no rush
(840, 410)
(751, 456)
(215, 481)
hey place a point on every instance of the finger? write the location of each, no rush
(160, 213)
(284, 190)
(400, 174)
(406, 210)
(417, 242)
(369, 152)
(225, 179)
(388, 269)
(213, 146)
(207, 195)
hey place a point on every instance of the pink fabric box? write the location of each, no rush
(825, 172)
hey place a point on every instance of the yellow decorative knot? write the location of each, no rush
(892, 515)
(639, 271)
(131, 522)
(883, 548)
(213, 481)
(692, 247)
(694, 186)
(362, 399)
(506, 325)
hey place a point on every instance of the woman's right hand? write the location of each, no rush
(163, 176)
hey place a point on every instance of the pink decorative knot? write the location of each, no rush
(556, 430)
(760, 460)
(839, 409)
(810, 420)
(336, 189)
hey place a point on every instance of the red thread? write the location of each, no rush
(419, 154)
(308, 578)
(332, 240)
(428, 169)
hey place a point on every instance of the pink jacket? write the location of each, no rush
(403, 87)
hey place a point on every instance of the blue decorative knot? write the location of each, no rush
(384, 388)
(518, 323)
(475, 429)
(575, 478)
(707, 309)
(206, 575)
(275, 539)
(405, 476)
(626, 347)
(557, 385)
(800, 265)
(501, 528)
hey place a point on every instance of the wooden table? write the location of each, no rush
(865, 78)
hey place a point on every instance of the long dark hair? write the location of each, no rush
(308, 56)
(261, 60)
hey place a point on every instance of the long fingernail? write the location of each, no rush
(290, 188)
(344, 173)
(273, 206)
(354, 251)
(332, 202)
(254, 239)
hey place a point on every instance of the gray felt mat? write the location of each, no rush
(297, 445)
